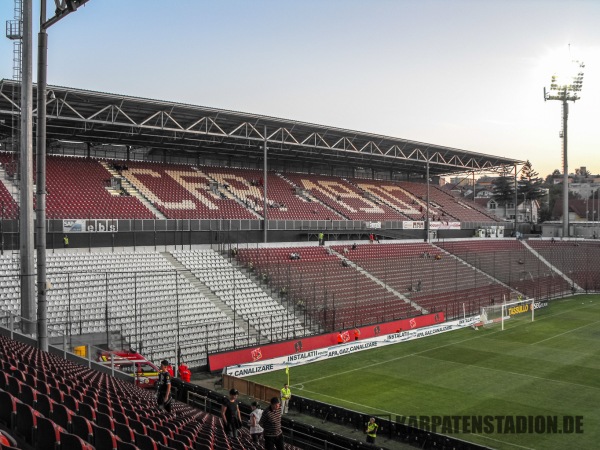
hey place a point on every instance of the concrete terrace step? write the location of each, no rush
(205, 290)
(404, 298)
(132, 191)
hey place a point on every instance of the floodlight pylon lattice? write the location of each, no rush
(566, 88)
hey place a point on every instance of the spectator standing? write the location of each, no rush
(371, 430)
(255, 429)
(230, 413)
(271, 423)
(184, 373)
(286, 395)
(163, 387)
(170, 370)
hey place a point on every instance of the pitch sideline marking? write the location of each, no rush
(569, 331)
(400, 415)
(510, 373)
(483, 436)
(419, 354)
(423, 351)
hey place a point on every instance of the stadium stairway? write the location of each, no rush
(253, 276)
(307, 195)
(378, 198)
(223, 190)
(379, 282)
(132, 191)
(554, 268)
(9, 184)
(205, 290)
(477, 269)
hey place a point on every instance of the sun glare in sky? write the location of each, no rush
(562, 63)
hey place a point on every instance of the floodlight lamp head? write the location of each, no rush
(72, 5)
(566, 83)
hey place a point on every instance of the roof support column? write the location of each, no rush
(266, 223)
(26, 239)
(516, 201)
(40, 222)
(427, 211)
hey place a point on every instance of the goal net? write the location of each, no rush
(517, 311)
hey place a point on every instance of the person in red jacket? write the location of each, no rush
(170, 370)
(184, 373)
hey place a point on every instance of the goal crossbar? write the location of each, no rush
(494, 314)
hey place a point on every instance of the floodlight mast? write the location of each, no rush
(63, 8)
(566, 90)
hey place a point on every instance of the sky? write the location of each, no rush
(467, 74)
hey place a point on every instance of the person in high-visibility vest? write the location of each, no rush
(371, 430)
(286, 395)
(340, 339)
(66, 241)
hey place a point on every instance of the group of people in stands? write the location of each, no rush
(354, 247)
(428, 255)
(265, 423)
(120, 167)
(274, 204)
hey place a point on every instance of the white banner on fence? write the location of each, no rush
(373, 225)
(413, 225)
(90, 225)
(433, 225)
(444, 225)
(299, 359)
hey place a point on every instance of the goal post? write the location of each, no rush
(520, 310)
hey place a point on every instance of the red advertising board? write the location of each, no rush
(264, 352)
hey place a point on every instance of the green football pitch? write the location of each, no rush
(548, 368)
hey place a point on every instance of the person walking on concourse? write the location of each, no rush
(270, 421)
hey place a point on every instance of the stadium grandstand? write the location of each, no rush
(186, 233)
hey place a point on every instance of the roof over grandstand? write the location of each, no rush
(97, 118)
